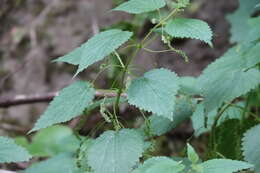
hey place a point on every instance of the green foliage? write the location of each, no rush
(11, 152)
(224, 166)
(251, 149)
(254, 32)
(181, 4)
(189, 86)
(228, 139)
(64, 163)
(96, 48)
(223, 101)
(115, 152)
(239, 20)
(140, 6)
(202, 122)
(155, 92)
(183, 110)
(189, 28)
(192, 155)
(70, 103)
(198, 120)
(236, 79)
(159, 164)
(52, 141)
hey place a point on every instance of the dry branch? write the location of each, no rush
(6, 102)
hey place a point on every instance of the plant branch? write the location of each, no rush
(6, 102)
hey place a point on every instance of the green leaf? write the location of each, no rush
(95, 49)
(189, 86)
(140, 6)
(180, 4)
(187, 163)
(115, 152)
(232, 70)
(251, 149)
(160, 164)
(239, 20)
(192, 155)
(189, 28)
(198, 120)
(63, 163)
(254, 32)
(142, 168)
(83, 153)
(11, 152)
(155, 92)
(70, 103)
(198, 117)
(53, 140)
(166, 166)
(182, 111)
(232, 85)
(224, 166)
(228, 139)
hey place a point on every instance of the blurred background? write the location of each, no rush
(34, 32)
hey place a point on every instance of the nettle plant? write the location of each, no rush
(223, 101)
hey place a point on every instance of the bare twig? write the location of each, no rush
(6, 102)
(5, 171)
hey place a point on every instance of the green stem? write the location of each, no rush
(156, 51)
(182, 53)
(159, 24)
(214, 126)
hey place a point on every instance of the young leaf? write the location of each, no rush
(70, 103)
(140, 6)
(224, 166)
(155, 92)
(159, 164)
(115, 152)
(180, 4)
(95, 49)
(192, 155)
(251, 147)
(11, 152)
(189, 28)
(63, 163)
